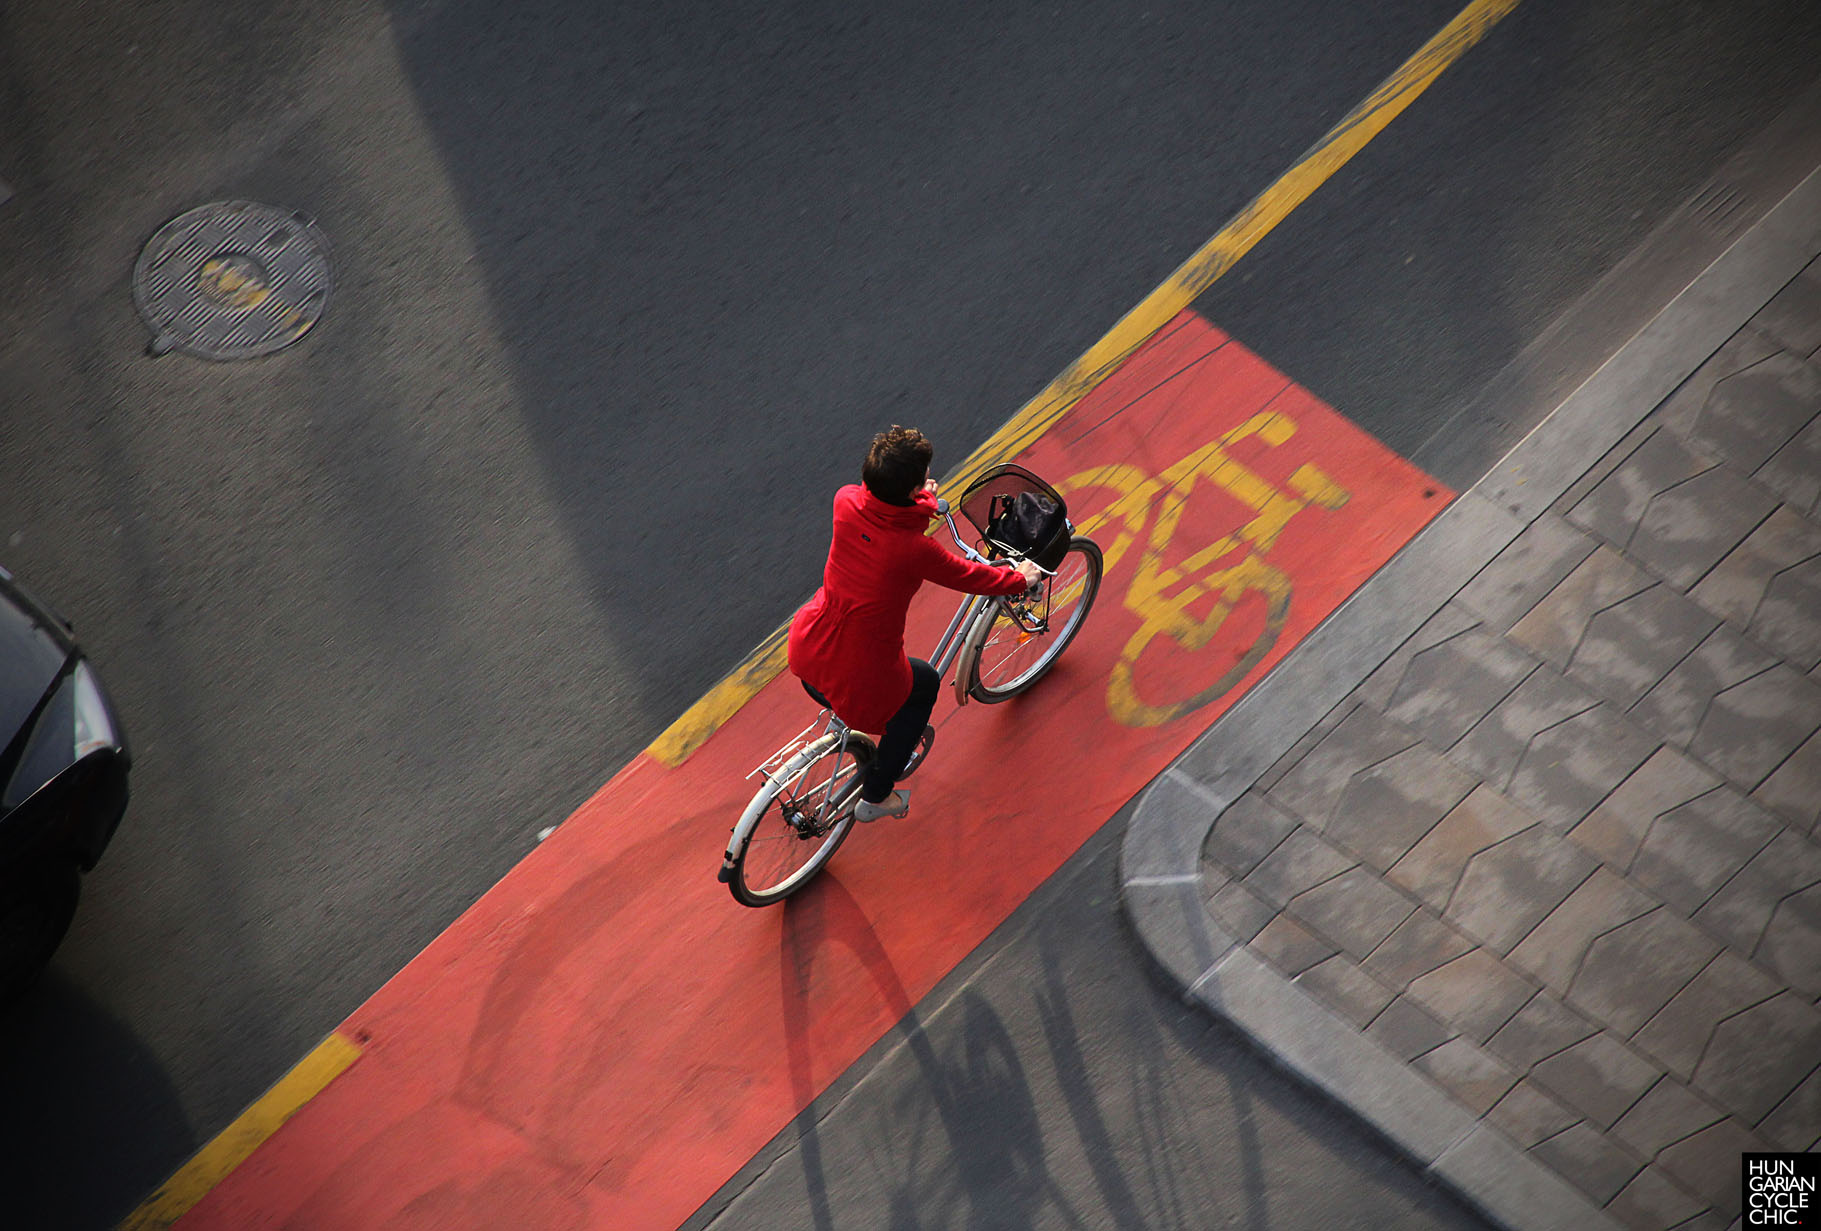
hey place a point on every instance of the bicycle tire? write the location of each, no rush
(796, 820)
(998, 665)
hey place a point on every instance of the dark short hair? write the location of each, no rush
(897, 464)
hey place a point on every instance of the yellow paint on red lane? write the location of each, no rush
(232, 1145)
(1177, 292)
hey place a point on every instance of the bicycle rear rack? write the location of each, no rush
(824, 724)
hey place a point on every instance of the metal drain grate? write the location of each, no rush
(232, 280)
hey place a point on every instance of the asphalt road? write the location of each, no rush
(619, 297)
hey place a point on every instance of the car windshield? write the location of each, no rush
(48, 751)
(30, 660)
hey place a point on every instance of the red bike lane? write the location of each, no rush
(606, 1037)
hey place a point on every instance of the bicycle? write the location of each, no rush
(999, 646)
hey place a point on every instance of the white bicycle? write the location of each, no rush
(998, 646)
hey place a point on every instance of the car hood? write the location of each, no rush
(34, 651)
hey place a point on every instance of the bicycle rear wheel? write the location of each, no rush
(797, 820)
(1016, 642)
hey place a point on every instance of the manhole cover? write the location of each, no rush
(232, 280)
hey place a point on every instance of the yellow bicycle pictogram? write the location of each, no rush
(1212, 579)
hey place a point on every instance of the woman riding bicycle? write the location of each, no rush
(847, 645)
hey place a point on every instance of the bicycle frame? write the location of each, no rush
(827, 820)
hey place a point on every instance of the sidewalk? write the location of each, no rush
(1535, 888)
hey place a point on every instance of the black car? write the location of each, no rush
(63, 781)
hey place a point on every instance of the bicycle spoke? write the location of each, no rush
(1014, 651)
(803, 821)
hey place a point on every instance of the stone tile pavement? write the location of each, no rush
(1552, 872)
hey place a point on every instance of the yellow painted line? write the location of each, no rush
(232, 1145)
(1177, 292)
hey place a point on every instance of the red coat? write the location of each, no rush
(848, 643)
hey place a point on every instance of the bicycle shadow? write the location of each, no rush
(980, 1083)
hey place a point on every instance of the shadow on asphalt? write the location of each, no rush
(93, 1123)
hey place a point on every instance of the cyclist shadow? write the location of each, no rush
(978, 1084)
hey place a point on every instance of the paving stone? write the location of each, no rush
(1475, 993)
(1693, 850)
(1386, 809)
(1674, 708)
(1540, 1029)
(1241, 911)
(1758, 1057)
(1432, 868)
(1313, 787)
(1690, 527)
(1628, 648)
(1737, 584)
(1752, 727)
(1707, 1164)
(1341, 985)
(1613, 509)
(1788, 621)
(1569, 768)
(1419, 945)
(1246, 832)
(1598, 1077)
(1213, 878)
(1794, 473)
(1634, 970)
(1752, 414)
(1407, 1031)
(1534, 564)
(1745, 348)
(1468, 1073)
(1653, 1201)
(1290, 947)
(1306, 744)
(1509, 888)
(1668, 1112)
(1527, 1114)
(1586, 1159)
(1793, 791)
(1616, 828)
(1792, 942)
(1677, 1036)
(1301, 861)
(1450, 621)
(1793, 316)
(1496, 745)
(1795, 1124)
(1740, 912)
(1552, 953)
(1554, 627)
(1449, 687)
(1355, 910)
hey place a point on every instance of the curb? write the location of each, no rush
(1160, 855)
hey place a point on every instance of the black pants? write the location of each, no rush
(901, 734)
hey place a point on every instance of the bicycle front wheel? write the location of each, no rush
(1018, 640)
(797, 820)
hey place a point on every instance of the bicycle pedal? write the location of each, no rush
(925, 742)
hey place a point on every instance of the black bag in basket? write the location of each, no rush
(1030, 524)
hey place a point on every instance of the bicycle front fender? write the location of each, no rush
(973, 636)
